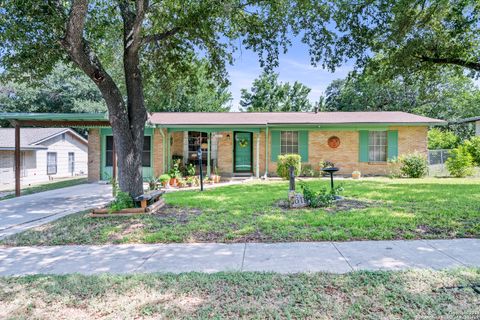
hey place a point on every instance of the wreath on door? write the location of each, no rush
(243, 143)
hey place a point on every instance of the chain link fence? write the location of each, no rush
(436, 162)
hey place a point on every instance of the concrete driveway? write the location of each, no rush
(28, 211)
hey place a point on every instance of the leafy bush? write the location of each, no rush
(326, 164)
(175, 170)
(190, 170)
(123, 200)
(460, 162)
(164, 178)
(413, 165)
(442, 139)
(322, 198)
(308, 171)
(284, 163)
(473, 147)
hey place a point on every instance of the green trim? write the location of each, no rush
(54, 116)
(147, 172)
(363, 146)
(303, 145)
(275, 145)
(266, 151)
(210, 129)
(209, 136)
(392, 144)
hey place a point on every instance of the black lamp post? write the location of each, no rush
(199, 154)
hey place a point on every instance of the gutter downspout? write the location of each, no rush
(266, 153)
(164, 145)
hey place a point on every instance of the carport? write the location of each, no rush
(71, 120)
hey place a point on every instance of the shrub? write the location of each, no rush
(190, 170)
(175, 170)
(326, 164)
(164, 178)
(442, 139)
(322, 198)
(284, 163)
(123, 200)
(473, 147)
(460, 162)
(413, 165)
(308, 171)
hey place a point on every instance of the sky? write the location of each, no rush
(294, 66)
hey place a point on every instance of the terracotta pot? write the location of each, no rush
(173, 182)
(356, 175)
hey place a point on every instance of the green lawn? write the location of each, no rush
(357, 295)
(47, 187)
(384, 209)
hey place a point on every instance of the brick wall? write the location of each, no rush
(225, 153)
(157, 152)
(410, 139)
(93, 154)
(345, 156)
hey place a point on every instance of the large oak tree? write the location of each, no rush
(150, 39)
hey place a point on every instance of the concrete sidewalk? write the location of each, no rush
(337, 257)
(19, 214)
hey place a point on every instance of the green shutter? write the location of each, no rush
(392, 144)
(363, 146)
(303, 145)
(275, 145)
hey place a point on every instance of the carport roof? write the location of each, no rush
(57, 119)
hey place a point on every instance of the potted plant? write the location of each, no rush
(164, 180)
(190, 170)
(174, 174)
(356, 174)
(181, 182)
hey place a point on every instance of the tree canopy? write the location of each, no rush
(409, 36)
(149, 39)
(269, 95)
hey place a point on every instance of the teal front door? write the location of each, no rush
(243, 152)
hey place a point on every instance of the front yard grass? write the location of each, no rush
(412, 294)
(384, 209)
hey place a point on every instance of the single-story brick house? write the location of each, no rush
(45, 153)
(240, 143)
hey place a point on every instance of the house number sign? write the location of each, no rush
(334, 142)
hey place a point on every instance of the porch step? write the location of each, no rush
(241, 176)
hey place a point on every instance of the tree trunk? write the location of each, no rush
(128, 121)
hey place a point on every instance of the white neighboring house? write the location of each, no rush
(46, 154)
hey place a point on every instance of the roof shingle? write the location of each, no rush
(306, 118)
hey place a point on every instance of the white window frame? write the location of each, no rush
(289, 142)
(49, 165)
(377, 146)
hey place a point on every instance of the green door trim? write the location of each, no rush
(235, 152)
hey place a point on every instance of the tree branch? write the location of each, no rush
(455, 61)
(160, 36)
(81, 54)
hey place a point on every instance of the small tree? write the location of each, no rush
(473, 147)
(285, 161)
(442, 139)
(460, 162)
